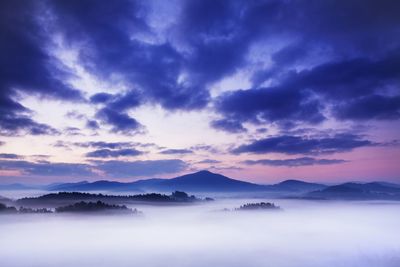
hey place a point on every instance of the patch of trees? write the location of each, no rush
(6, 209)
(95, 207)
(30, 210)
(258, 206)
(261, 206)
(176, 196)
(83, 207)
(11, 210)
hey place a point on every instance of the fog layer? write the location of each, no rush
(305, 234)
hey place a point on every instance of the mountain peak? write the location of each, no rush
(205, 180)
(204, 172)
(292, 181)
(202, 175)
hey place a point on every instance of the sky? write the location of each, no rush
(261, 91)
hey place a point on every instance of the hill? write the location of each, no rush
(102, 185)
(297, 186)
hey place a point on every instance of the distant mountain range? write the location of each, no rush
(202, 181)
(357, 191)
(205, 181)
(296, 186)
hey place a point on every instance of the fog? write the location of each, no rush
(305, 233)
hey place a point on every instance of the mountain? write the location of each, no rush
(296, 186)
(102, 185)
(205, 181)
(389, 184)
(62, 186)
(144, 185)
(202, 181)
(357, 191)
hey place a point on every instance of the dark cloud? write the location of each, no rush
(352, 78)
(126, 169)
(92, 125)
(10, 156)
(262, 130)
(153, 69)
(120, 122)
(107, 145)
(131, 99)
(26, 66)
(370, 107)
(228, 125)
(220, 33)
(89, 123)
(101, 98)
(102, 149)
(2, 143)
(202, 147)
(13, 124)
(345, 66)
(287, 144)
(149, 145)
(118, 102)
(343, 63)
(108, 153)
(290, 54)
(270, 105)
(176, 151)
(102, 144)
(353, 89)
(114, 112)
(218, 38)
(296, 162)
